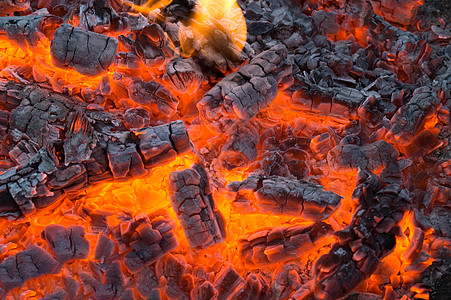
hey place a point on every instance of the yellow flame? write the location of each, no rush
(147, 7)
(220, 24)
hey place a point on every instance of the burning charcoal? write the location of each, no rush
(148, 239)
(326, 22)
(415, 246)
(29, 31)
(204, 291)
(66, 243)
(59, 294)
(362, 245)
(195, 207)
(178, 283)
(241, 95)
(164, 143)
(240, 148)
(281, 243)
(152, 45)
(87, 52)
(124, 159)
(153, 96)
(184, 75)
(228, 283)
(99, 16)
(10, 6)
(136, 118)
(147, 281)
(114, 283)
(256, 287)
(286, 281)
(398, 11)
(368, 156)
(411, 117)
(281, 195)
(104, 248)
(25, 265)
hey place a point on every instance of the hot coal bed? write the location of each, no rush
(219, 150)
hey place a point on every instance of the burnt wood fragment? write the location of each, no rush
(286, 196)
(174, 270)
(30, 263)
(152, 45)
(195, 207)
(10, 6)
(362, 245)
(277, 244)
(397, 11)
(228, 283)
(184, 75)
(241, 95)
(368, 156)
(89, 53)
(411, 117)
(66, 243)
(29, 32)
(145, 240)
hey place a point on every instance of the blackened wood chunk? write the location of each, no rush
(174, 270)
(113, 284)
(152, 45)
(10, 6)
(204, 291)
(228, 283)
(240, 149)
(256, 287)
(124, 160)
(326, 22)
(368, 156)
(363, 244)
(32, 31)
(195, 207)
(146, 281)
(146, 240)
(155, 97)
(277, 244)
(66, 243)
(241, 95)
(87, 52)
(25, 265)
(411, 117)
(161, 144)
(398, 11)
(286, 196)
(104, 248)
(286, 281)
(59, 294)
(184, 75)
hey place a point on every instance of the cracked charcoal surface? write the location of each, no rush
(281, 243)
(196, 208)
(241, 95)
(362, 245)
(284, 196)
(87, 52)
(97, 145)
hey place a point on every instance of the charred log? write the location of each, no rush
(277, 244)
(281, 195)
(195, 207)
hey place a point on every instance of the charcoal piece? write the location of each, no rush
(174, 269)
(367, 184)
(326, 22)
(113, 283)
(368, 156)
(184, 75)
(423, 143)
(99, 16)
(286, 281)
(362, 245)
(64, 178)
(154, 97)
(204, 291)
(415, 247)
(32, 31)
(411, 117)
(136, 118)
(89, 53)
(104, 248)
(256, 287)
(71, 286)
(240, 149)
(321, 145)
(147, 281)
(152, 45)
(402, 12)
(241, 95)
(66, 243)
(124, 160)
(8, 7)
(281, 195)
(228, 283)
(192, 201)
(30, 263)
(59, 294)
(163, 143)
(271, 245)
(146, 240)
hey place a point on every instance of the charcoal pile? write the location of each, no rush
(242, 149)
